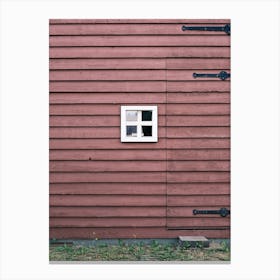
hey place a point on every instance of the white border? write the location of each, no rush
(255, 137)
(153, 123)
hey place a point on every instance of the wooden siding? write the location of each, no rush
(102, 188)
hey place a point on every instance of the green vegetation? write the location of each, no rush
(139, 252)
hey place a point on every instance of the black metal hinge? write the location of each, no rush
(225, 28)
(223, 75)
(223, 212)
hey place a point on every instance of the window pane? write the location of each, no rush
(131, 130)
(131, 115)
(146, 130)
(146, 115)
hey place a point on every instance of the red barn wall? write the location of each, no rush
(102, 188)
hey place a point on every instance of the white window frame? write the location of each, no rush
(139, 123)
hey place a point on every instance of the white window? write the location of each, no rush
(139, 124)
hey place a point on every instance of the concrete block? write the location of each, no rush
(193, 241)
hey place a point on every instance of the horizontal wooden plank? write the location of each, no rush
(139, 222)
(114, 121)
(140, 86)
(138, 63)
(107, 200)
(112, 144)
(108, 98)
(197, 121)
(143, 21)
(205, 177)
(132, 40)
(198, 63)
(127, 29)
(125, 75)
(110, 63)
(198, 222)
(198, 85)
(201, 97)
(114, 132)
(197, 132)
(153, 232)
(107, 75)
(196, 201)
(201, 154)
(107, 222)
(127, 177)
(90, 132)
(116, 166)
(100, 212)
(140, 177)
(147, 98)
(135, 52)
(198, 109)
(120, 86)
(107, 154)
(105, 166)
(198, 189)
(171, 109)
(198, 166)
(188, 212)
(203, 143)
(109, 188)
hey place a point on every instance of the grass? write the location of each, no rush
(139, 252)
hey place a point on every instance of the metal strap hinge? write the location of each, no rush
(225, 28)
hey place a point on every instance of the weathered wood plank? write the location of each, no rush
(153, 232)
(107, 200)
(202, 143)
(112, 144)
(203, 154)
(198, 97)
(119, 177)
(208, 222)
(108, 188)
(198, 189)
(107, 166)
(114, 121)
(138, 63)
(183, 121)
(198, 166)
(142, 21)
(107, 75)
(132, 40)
(107, 222)
(198, 109)
(198, 85)
(107, 154)
(154, 154)
(198, 132)
(211, 177)
(109, 63)
(137, 52)
(198, 63)
(127, 29)
(108, 98)
(120, 86)
(101, 212)
(89, 132)
(171, 109)
(197, 201)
